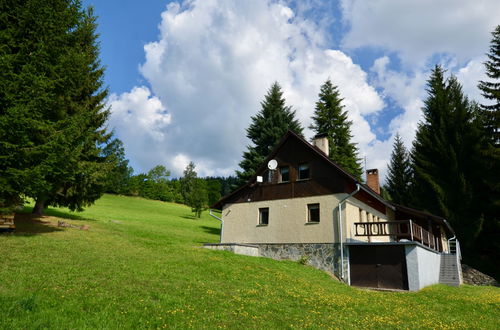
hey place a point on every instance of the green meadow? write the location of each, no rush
(141, 265)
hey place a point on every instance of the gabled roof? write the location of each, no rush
(291, 135)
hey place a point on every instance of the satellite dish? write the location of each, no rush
(272, 164)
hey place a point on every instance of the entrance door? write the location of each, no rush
(378, 266)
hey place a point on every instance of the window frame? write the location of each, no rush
(311, 207)
(299, 178)
(281, 175)
(261, 211)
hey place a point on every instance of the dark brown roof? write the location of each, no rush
(291, 134)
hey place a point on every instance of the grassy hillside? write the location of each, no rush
(140, 265)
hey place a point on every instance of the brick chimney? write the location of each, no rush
(320, 141)
(372, 180)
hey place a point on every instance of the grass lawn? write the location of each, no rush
(140, 265)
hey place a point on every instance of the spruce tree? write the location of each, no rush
(446, 155)
(267, 128)
(399, 173)
(52, 117)
(491, 89)
(488, 245)
(330, 118)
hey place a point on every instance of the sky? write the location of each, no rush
(185, 77)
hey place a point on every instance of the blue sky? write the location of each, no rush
(185, 77)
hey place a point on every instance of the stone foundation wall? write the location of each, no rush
(323, 256)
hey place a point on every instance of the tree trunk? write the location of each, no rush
(39, 206)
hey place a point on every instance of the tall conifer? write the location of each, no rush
(446, 156)
(399, 173)
(267, 128)
(488, 245)
(52, 117)
(491, 89)
(330, 118)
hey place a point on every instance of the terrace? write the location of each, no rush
(398, 230)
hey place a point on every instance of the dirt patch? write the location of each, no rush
(26, 222)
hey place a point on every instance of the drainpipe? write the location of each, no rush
(358, 187)
(221, 224)
(452, 232)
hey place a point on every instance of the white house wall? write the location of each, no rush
(352, 215)
(288, 220)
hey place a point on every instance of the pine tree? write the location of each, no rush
(491, 89)
(330, 118)
(52, 117)
(446, 155)
(399, 173)
(267, 128)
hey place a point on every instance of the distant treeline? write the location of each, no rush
(157, 184)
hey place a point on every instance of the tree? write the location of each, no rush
(330, 118)
(52, 115)
(491, 89)
(118, 179)
(447, 159)
(399, 174)
(187, 181)
(214, 188)
(267, 128)
(198, 197)
(487, 245)
(194, 190)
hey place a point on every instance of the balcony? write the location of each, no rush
(397, 230)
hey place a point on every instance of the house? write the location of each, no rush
(301, 204)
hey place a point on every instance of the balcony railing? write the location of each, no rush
(403, 229)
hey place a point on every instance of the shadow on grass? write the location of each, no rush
(57, 213)
(190, 217)
(211, 230)
(26, 225)
(66, 215)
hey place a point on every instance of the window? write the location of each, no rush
(313, 212)
(264, 216)
(267, 177)
(303, 171)
(284, 174)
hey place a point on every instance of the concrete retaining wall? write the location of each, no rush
(423, 266)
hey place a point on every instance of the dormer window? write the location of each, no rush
(284, 174)
(304, 172)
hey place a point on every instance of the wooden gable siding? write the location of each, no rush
(324, 178)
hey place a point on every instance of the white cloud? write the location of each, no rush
(418, 29)
(421, 33)
(139, 119)
(212, 65)
(470, 75)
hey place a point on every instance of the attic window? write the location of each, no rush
(303, 171)
(284, 174)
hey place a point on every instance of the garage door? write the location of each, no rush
(378, 266)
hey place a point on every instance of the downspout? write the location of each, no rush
(358, 187)
(451, 238)
(221, 226)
